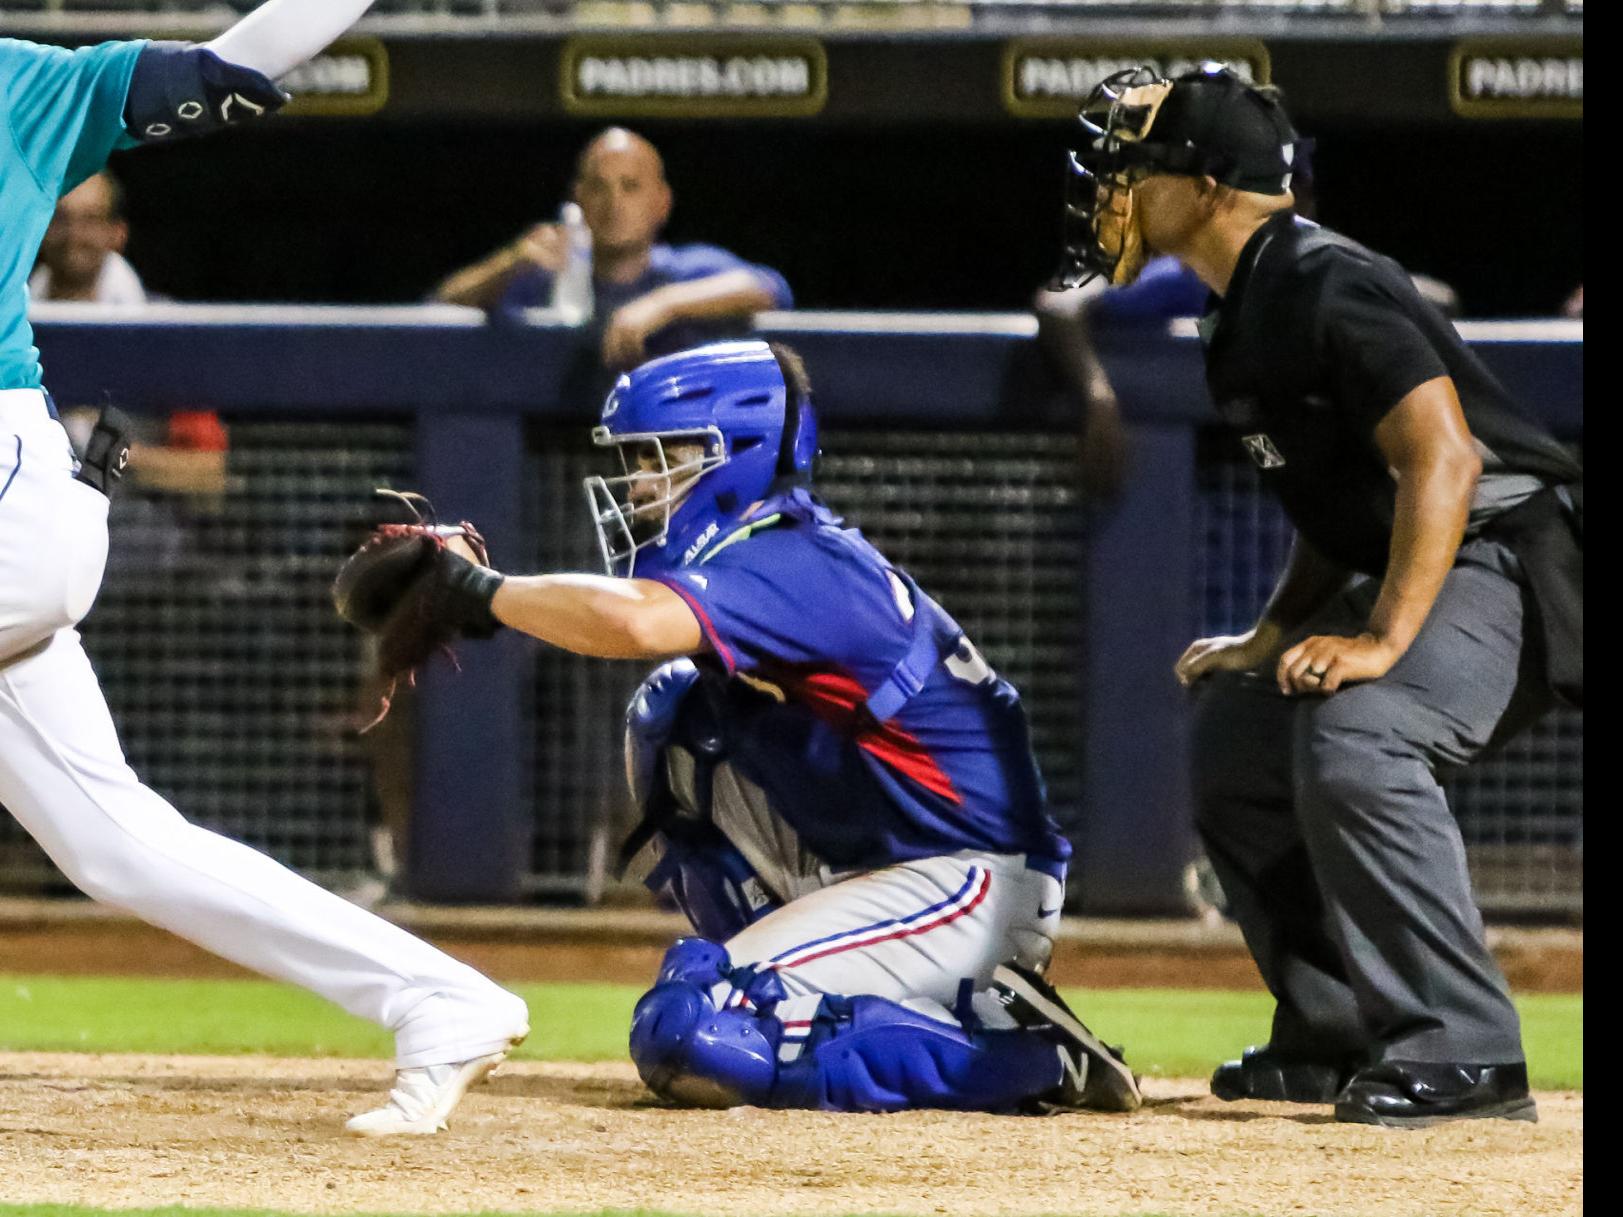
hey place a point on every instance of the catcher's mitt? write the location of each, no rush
(410, 590)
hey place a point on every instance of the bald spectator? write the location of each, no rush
(650, 298)
(82, 260)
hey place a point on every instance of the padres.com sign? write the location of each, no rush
(350, 79)
(1517, 78)
(694, 77)
(1050, 77)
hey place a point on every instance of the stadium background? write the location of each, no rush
(916, 172)
(909, 192)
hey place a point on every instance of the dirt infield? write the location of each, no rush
(68, 938)
(125, 1131)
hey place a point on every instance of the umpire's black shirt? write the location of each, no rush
(1316, 340)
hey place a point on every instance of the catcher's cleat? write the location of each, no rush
(1096, 1075)
(422, 1100)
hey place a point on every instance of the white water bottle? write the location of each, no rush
(572, 285)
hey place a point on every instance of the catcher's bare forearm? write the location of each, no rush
(598, 616)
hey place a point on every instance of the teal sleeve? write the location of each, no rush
(66, 108)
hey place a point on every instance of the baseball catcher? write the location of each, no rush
(836, 789)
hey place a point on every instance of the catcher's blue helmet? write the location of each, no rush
(702, 434)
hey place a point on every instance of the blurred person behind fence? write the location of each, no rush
(82, 256)
(649, 298)
(81, 261)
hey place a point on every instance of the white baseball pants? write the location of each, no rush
(911, 933)
(64, 777)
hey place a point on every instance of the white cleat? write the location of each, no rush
(423, 1099)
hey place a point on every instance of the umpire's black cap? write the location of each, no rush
(1210, 122)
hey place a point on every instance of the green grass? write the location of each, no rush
(1167, 1032)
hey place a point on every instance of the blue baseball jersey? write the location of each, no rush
(666, 264)
(64, 115)
(808, 612)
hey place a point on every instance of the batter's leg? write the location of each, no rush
(63, 775)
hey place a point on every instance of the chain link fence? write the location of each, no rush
(238, 692)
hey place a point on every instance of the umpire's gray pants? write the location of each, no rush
(1327, 827)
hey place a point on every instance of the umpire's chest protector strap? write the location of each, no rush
(179, 90)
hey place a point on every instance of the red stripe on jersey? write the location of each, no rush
(837, 699)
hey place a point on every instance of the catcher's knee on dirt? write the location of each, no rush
(847, 1054)
(689, 1051)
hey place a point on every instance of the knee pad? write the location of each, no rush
(860, 1053)
(697, 961)
(690, 1052)
(870, 1054)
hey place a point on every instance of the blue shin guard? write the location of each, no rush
(860, 1054)
(869, 1054)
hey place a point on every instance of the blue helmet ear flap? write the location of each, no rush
(797, 448)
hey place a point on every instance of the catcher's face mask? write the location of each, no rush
(634, 510)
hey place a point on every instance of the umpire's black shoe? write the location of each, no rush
(1418, 1094)
(1263, 1074)
(1096, 1075)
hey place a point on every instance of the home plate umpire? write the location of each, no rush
(1431, 607)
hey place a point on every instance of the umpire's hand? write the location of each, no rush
(1324, 663)
(1228, 653)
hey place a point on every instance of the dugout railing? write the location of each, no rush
(240, 695)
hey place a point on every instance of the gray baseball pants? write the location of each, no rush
(1328, 829)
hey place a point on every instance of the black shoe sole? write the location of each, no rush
(1240, 1094)
(1515, 1109)
(1116, 1082)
